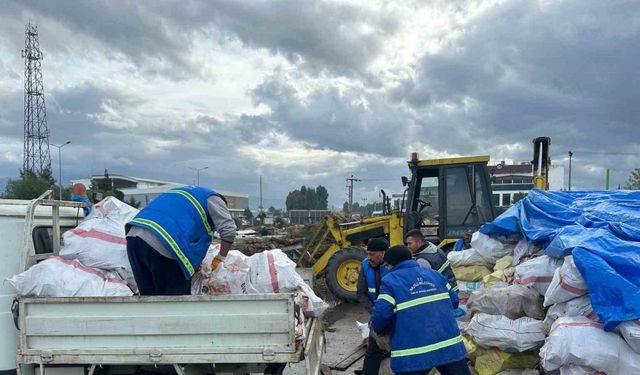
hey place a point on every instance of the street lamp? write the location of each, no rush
(60, 165)
(198, 173)
(570, 156)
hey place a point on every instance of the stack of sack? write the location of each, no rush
(480, 265)
(93, 260)
(579, 252)
(504, 321)
(269, 271)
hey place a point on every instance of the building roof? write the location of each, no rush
(511, 169)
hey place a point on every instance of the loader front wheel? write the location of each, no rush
(343, 269)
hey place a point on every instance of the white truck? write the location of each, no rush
(184, 335)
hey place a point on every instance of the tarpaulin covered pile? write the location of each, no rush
(589, 273)
(602, 231)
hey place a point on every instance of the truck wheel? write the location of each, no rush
(342, 273)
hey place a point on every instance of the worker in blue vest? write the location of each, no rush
(416, 306)
(464, 243)
(369, 280)
(169, 238)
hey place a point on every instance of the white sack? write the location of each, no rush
(99, 241)
(567, 284)
(492, 247)
(509, 335)
(273, 272)
(579, 370)
(580, 306)
(580, 341)
(523, 249)
(537, 272)
(630, 331)
(469, 257)
(59, 277)
(514, 301)
(231, 277)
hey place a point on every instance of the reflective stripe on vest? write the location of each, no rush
(422, 300)
(444, 266)
(387, 298)
(197, 206)
(371, 290)
(167, 237)
(427, 348)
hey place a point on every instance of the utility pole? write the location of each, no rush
(608, 179)
(37, 156)
(570, 156)
(350, 182)
(260, 207)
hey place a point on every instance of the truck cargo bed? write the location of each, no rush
(162, 330)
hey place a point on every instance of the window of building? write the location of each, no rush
(506, 199)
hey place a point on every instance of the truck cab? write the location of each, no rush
(13, 220)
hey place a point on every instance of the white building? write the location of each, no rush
(143, 190)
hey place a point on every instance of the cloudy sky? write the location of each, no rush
(311, 92)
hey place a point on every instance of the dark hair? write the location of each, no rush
(377, 244)
(397, 254)
(415, 233)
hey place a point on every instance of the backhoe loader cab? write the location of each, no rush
(444, 198)
(447, 197)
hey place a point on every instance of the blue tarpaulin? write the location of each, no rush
(602, 231)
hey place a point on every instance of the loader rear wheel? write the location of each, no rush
(343, 269)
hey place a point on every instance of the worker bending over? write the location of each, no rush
(169, 238)
(416, 305)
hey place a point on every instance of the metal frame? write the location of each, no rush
(28, 255)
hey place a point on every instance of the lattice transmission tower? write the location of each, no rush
(37, 157)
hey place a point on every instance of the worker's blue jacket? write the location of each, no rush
(416, 305)
(370, 276)
(180, 219)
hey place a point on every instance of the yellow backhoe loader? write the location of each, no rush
(444, 198)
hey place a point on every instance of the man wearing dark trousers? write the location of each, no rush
(416, 305)
(169, 238)
(369, 280)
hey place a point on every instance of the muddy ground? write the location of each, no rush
(341, 334)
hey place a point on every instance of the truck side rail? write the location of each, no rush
(158, 330)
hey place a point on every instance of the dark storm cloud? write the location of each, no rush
(335, 119)
(325, 36)
(566, 69)
(158, 36)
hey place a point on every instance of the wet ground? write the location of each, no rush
(341, 334)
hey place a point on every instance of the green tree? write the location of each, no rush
(278, 222)
(248, 215)
(634, 180)
(133, 203)
(104, 187)
(308, 199)
(261, 216)
(30, 185)
(322, 198)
